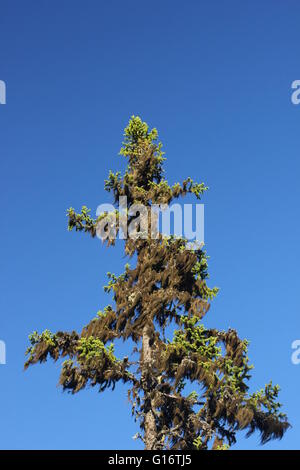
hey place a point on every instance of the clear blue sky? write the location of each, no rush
(214, 78)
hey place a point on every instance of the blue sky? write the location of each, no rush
(215, 79)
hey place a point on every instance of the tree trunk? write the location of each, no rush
(149, 420)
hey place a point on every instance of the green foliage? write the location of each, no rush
(267, 398)
(198, 444)
(46, 337)
(104, 313)
(92, 348)
(113, 182)
(114, 281)
(81, 221)
(136, 131)
(223, 447)
(195, 339)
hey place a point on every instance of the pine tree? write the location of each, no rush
(166, 290)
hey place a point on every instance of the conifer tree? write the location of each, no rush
(166, 289)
